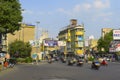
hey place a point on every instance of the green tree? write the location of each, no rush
(105, 42)
(10, 15)
(20, 49)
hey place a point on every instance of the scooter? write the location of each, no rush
(95, 65)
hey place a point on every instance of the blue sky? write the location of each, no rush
(56, 14)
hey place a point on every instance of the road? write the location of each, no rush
(61, 71)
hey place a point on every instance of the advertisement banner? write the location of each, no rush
(50, 43)
(80, 38)
(80, 44)
(61, 43)
(116, 34)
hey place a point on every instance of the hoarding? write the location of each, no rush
(34, 43)
(116, 34)
(50, 43)
(61, 43)
(80, 44)
(115, 46)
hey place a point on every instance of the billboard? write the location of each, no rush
(34, 43)
(116, 34)
(50, 43)
(115, 46)
(61, 43)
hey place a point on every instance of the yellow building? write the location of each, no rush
(105, 30)
(93, 44)
(26, 33)
(73, 34)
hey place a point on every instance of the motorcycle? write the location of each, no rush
(49, 61)
(95, 65)
(11, 63)
(80, 62)
(70, 62)
(63, 60)
(104, 63)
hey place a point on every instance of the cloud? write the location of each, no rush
(62, 10)
(97, 9)
(100, 4)
(81, 7)
(77, 8)
(95, 5)
(105, 14)
(87, 6)
(37, 13)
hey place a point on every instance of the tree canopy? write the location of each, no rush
(104, 42)
(10, 15)
(19, 49)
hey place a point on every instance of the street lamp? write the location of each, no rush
(36, 36)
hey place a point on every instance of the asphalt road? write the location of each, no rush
(61, 71)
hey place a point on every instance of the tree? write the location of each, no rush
(19, 49)
(105, 42)
(10, 15)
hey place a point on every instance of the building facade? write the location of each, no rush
(25, 34)
(105, 30)
(73, 34)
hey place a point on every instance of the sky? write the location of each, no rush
(53, 15)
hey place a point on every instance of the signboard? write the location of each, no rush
(80, 38)
(34, 56)
(116, 34)
(34, 43)
(111, 50)
(80, 44)
(61, 43)
(50, 43)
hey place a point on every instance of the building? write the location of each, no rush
(105, 30)
(26, 34)
(73, 34)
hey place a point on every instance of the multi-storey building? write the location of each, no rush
(73, 34)
(105, 30)
(26, 34)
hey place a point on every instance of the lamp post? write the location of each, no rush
(36, 40)
(36, 36)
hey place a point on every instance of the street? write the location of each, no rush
(61, 71)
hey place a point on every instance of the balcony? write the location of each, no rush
(79, 52)
(79, 44)
(79, 33)
(69, 39)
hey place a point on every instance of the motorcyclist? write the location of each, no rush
(104, 62)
